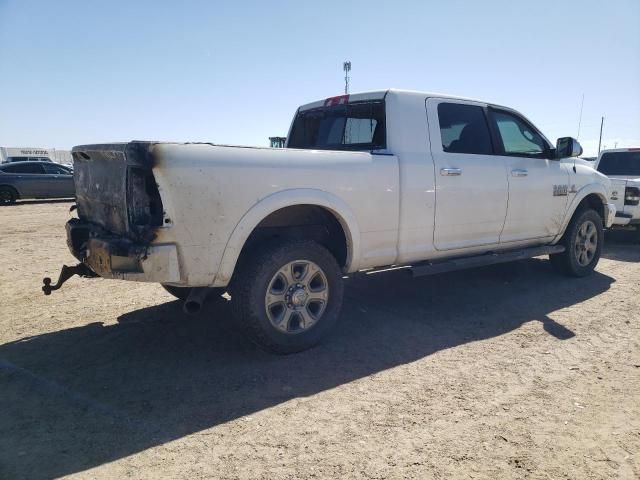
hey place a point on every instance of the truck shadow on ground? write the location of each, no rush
(78, 398)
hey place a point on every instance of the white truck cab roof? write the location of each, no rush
(403, 110)
(380, 95)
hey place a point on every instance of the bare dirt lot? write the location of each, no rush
(502, 372)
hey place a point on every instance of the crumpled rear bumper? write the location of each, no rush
(112, 256)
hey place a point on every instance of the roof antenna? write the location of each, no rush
(580, 118)
(579, 125)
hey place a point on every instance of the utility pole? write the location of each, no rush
(600, 141)
(346, 66)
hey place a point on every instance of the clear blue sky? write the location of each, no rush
(74, 72)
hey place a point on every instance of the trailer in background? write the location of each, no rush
(16, 154)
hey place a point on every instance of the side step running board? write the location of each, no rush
(463, 263)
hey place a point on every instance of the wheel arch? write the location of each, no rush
(11, 187)
(593, 196)
(256, 215)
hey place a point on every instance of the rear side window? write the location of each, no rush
(620, 163)
(23, 167)
(355, 126)
(518, 137)
(464, 129)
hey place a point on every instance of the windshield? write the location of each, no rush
(620, 163)
(356, 126)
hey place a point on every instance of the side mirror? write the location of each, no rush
(568, 147)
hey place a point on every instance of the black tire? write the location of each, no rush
(575, 261)
(8, 196)
(253, 283)
(182, 293)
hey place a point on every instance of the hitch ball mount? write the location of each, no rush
(65, 274)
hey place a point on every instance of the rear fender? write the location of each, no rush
(283, 199)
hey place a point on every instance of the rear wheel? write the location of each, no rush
(288, 296)
(7, 196)
(583, 245)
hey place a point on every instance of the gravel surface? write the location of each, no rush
(502, 372)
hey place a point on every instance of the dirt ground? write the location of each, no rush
(502, 372)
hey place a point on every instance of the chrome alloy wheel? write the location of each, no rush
(586, 243)
(297, 296)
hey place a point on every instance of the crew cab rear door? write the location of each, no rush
(471, 182)
(538, 186)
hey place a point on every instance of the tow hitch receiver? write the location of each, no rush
(65, 274)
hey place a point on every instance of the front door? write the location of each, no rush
(538, 185)
(471, 181)
(59, 181)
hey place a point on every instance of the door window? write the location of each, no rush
(24, 167)
(55, 169)
(463, 129)
(518, 137)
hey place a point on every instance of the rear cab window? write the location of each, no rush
(620, 163)
(358, 126)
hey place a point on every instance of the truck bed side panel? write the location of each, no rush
(207, 189)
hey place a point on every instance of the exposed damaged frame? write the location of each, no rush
(119, 193)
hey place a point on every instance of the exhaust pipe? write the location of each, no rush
(195, 300)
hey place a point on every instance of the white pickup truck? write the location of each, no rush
(367, 181)
(622, 166)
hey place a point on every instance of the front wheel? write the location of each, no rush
(583, 244)
(287, 295)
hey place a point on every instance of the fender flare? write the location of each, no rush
(592, 188)
(283, 199)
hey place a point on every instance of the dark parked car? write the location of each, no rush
(35, 180)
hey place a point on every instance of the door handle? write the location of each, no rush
(450, 172)
(519, 172)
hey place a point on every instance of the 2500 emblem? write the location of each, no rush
(560, 190)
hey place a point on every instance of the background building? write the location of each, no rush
(35, 153)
